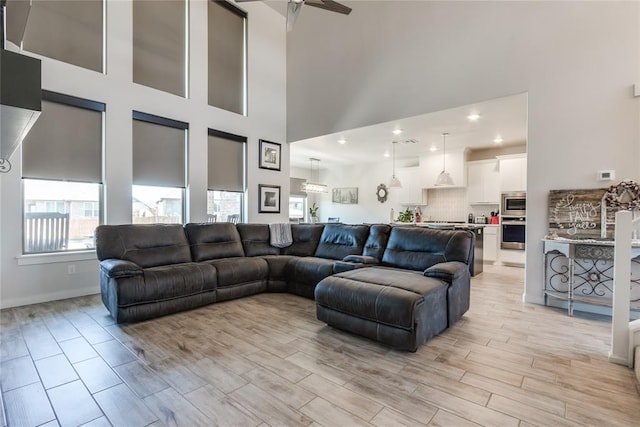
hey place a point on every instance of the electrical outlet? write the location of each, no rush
(71, 269)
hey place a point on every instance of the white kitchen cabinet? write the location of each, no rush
(512, 257)
(491, 242)
(411, 193)
(431, 166)
(483, 182)
(513, 172)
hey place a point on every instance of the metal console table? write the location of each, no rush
(582, 271)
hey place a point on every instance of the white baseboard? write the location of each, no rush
(533, 299)
(620, 360)
(53, 296)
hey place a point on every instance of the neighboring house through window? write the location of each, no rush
(226, 155)
(159, 169)
(62, 174)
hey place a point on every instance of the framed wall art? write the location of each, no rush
(348, 195)
(268, 198)
(270, 157)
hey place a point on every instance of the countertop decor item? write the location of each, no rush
(405, 216)
(313, 211)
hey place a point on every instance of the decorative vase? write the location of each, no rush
(314, 219)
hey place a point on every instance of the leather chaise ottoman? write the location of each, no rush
(400, 308)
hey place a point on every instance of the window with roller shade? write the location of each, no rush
(227, 29)
(159, 45)
(159, 169)
(226, 181)
(71, 31)
(62, 175)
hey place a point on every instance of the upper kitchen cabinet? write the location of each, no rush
(455, 164)
(483, 182)
(513, 172)
(411, 193)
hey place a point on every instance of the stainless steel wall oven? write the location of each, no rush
(513, 233)
(513, 213)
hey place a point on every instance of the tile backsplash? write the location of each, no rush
(450, 204)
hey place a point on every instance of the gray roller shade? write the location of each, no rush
(66, 30)
(226, 164)
(296, 187)
(64, 144)
(159, 50)
(226, 57)
(158, 155)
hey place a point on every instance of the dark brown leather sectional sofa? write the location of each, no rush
(398, 285)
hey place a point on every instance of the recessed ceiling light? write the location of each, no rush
(342, 141)
(396, 131)
(473, 117)
(498, 140)
(386, 154)
(433, 148)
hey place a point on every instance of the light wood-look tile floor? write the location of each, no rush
(267, 360)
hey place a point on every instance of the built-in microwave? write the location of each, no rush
(514, 204)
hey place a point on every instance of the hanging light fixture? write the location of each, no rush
(444, 178)
(394, 182)
(310, 186)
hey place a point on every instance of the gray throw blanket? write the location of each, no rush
(280, 235)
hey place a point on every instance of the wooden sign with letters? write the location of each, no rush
(576, 214)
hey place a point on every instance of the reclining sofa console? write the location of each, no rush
(397, 285)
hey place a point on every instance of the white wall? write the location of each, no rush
(577, 61)
(30, 279)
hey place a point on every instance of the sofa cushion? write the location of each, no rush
(415, 248)
(385, 295)
(147, 245)
(239, 277)
(377, 240)
(339, 240)
(214, 241)
(305, 239)
(256, 240)
(304, 273)
(234, 271)
(167, 282)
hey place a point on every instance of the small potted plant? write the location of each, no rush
(405, 216)
(313, 211)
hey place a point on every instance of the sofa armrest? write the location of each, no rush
(457, 275)
(117, 268)
(448, 271)
(361, 259)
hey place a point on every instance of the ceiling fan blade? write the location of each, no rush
(293, 10)
(329, 5)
